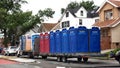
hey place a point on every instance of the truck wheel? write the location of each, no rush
(59, 59)
(79, 59)
(85, 59)
(64, 59)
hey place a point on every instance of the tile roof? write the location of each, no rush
(49, 26)
(107, 23)
(116, 2)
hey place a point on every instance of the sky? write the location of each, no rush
(55, 5)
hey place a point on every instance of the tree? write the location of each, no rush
(88, 5)
(73, 5)
(8, 7)
(15, 22)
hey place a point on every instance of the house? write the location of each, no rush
(46, 27)
(109, 22)
(33, 30)
(77, 17)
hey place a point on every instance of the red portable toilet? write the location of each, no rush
(47, 42)
(42, 43)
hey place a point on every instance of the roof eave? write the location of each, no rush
(116, 24)
(104, 4)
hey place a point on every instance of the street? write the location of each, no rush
(51, 62)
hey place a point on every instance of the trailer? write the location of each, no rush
(28, 45)
(80, 43)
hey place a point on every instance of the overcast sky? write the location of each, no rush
(56, 5)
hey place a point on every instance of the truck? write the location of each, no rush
(80, 43)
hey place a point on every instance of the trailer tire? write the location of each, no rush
(79, 59)
(64, 59)
(59, 59)
(18, 55)
(85, 59)
(30, 55)
(44, 57)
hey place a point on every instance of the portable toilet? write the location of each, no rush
(28, 45)
(46, 42)
(73, 39)
(82, 39)
(22, 42)
(65, 41)
(34, 36)
(52, 42)
(58, 41)
(94, 39)
(42, 43)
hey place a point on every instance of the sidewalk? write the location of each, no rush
(13, 58)
(105, 51)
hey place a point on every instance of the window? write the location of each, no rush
(80, 21)
(81, 13)
(65, 24)
(108, 15)
(67, 14)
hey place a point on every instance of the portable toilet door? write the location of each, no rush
(28, 43)
(65, 41)
(42, 43)
(37, 46)
(58, 41)
(82, 38)
(73, 39)
(94, 39)
(34, 36)
(46, 42)
(52, 42)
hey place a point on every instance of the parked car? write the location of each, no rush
(11, 50)
(115, 55)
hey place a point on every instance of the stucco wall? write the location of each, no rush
(115, 34)
(105, 7)
(108, 6)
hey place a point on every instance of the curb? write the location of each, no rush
(15, 59)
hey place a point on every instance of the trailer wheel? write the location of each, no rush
(79, 59)
(44, 57)
(64, 59)
(59, 59)
(30, 55)
(18, 55)
(85, 59)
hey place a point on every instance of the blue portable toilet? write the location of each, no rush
(94, 40)
(58, 41)
(82, 39)
(34, 36)
(22, 42)
(52, 42)
(73, 39)
(65, 41)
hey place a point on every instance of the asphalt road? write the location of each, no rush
(72, 63)
(52, 63)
